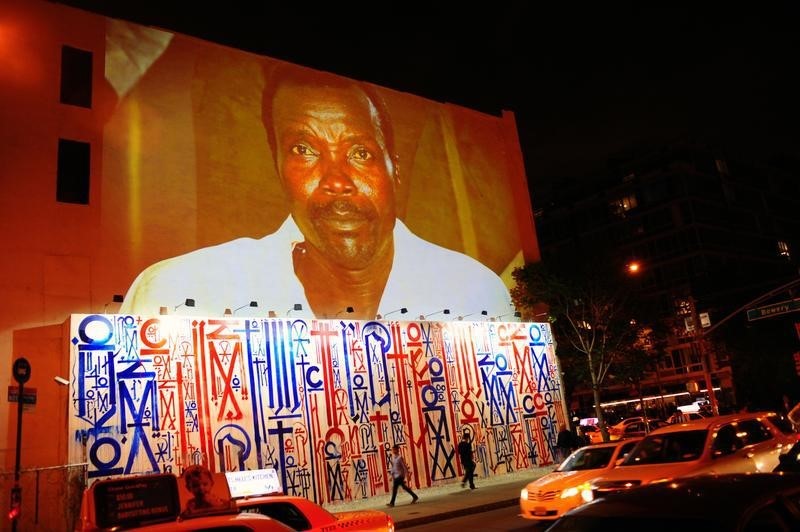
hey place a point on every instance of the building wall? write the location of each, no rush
(322, 401)
(179, 161)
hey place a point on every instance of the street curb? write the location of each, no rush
(416, 521)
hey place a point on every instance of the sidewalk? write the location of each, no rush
(445, 502)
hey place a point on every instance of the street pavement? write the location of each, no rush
(450, 500)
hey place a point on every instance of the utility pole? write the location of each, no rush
(699, 343)
(699, 337)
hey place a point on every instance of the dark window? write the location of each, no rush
(76, 77)
(782, 423)
(72, 179)
(286, 513)
(755, 430)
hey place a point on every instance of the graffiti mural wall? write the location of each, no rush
(321, 401)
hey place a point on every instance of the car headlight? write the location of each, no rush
(569, 492)
(523, 494)
(587, 494)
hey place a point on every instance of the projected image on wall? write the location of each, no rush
(257, 180)
(342, 244)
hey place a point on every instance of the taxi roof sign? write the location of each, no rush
(134, 501)
(253, 483)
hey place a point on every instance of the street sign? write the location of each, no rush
(28, 395)
(768, 311)
(22, 370)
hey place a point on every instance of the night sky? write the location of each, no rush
(588, 84)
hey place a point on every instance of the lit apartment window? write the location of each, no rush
(722, 167)
(783, 249)
(622, 205)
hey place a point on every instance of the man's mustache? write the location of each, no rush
(342, 208)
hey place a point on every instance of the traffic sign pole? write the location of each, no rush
(22, 372)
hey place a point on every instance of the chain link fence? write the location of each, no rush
(51, 497)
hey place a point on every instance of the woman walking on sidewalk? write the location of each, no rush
(399, 472)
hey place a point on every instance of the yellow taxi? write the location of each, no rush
(260, 492)
(735, 443)
(155, 503)
(554, 494)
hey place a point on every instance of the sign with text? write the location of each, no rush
(253, 483)
(133, 501)
(768, 311)
(28, 395)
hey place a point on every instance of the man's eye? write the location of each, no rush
(302, 149)
(360, 154)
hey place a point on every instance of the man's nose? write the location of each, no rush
(335, 179)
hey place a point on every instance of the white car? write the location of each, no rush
(556, 493)
(736, 443)
(684, 417)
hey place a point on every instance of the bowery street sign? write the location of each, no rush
(784, 307)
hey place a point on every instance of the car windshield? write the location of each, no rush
(587, 458)
(682, 446)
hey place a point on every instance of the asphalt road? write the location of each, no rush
(506, 519)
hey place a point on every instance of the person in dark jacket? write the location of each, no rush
(565, 442)
(465, 454)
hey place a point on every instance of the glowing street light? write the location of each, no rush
(633, 267)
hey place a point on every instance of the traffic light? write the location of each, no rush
(16, 503)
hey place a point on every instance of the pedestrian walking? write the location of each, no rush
(467, 461)
(564, 442)
(399, 472)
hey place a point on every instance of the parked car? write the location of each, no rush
(550, 496)
(736, 443)
(154, 503)
(593, 433)
(265, 496)
(617, 430)
(736, 502)
(636, 429)
(684, 417)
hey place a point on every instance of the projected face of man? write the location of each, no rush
(337, 174)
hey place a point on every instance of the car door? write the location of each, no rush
(762, 446)
(730, 452)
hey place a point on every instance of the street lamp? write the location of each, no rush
(633, 267)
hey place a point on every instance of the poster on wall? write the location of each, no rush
(320, 401)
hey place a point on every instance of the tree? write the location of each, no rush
(593, 313)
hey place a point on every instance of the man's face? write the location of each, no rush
(336, 171)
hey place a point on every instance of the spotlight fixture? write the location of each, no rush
(297, 306)
(443, 311)
(401, 310)
(189, 302)
(482, 313)
(116, 298)
(517, 314)
(253, 304)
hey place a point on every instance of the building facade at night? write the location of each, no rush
(712, 233)
(128, 149)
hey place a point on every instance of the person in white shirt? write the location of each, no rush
(342, 247)
(399, 471)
